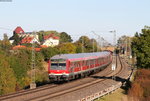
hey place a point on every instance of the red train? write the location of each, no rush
(70, 66)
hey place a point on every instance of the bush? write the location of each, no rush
(7, 77)
(141, 86)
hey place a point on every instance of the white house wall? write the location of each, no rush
(35, 40)
(51, 42)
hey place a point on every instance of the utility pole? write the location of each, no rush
(82, 44)
(98, 43)
(130, 47)
(93, 45)
(99, 38)
(126, 48)
(33, 84)
(114, 40)
(114, 60)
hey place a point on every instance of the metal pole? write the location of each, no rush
(33, 84)
(126, 48)
(114, 60)
(98, 38)
(98, 45)
(130, 48)
(93, 44)
(82, 44)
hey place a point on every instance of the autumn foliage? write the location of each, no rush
(140, 89)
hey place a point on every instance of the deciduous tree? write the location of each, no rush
(64, 37)
(141, 47)
(7, 77)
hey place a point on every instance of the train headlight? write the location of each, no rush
(64, 73)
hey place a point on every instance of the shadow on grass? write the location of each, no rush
(126, 84)
(38, 84)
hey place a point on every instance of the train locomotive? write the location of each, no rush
(64, 67)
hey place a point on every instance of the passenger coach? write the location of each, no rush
(70, 66)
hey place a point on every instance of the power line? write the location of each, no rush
(6, 29)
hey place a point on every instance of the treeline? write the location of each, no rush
(15, 68)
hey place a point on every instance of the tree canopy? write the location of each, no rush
(7, 76)
(86, 44)
(141, 48)
(64, 37)
(66, 48)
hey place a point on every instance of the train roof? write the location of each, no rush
(81, 55)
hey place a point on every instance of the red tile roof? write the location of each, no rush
(43, 46)
(27, 40)
(50, 36)
(38, 49)
(19, 30)
(18, 47)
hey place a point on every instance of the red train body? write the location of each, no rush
(70, 66)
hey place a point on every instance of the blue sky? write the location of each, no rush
(76, 17)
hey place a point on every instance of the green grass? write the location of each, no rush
(118, 95)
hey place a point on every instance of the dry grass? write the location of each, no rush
(140, 88)
(118, 95)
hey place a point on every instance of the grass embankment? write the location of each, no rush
(118, 95)
(139, 91)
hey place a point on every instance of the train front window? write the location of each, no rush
(58, 66)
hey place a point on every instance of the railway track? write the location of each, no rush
(23, 92)
(52, 91)
(30, 91)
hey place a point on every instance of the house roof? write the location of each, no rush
(43, 46)
(19, 30)
(27, 39)
(50, 36)
(18, 47)
(23, 47)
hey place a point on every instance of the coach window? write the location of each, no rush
(72, 64)
(100, 60)
(90, 62)
(75, 64)
(82, 63)
(79, 64)
(87, 62)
